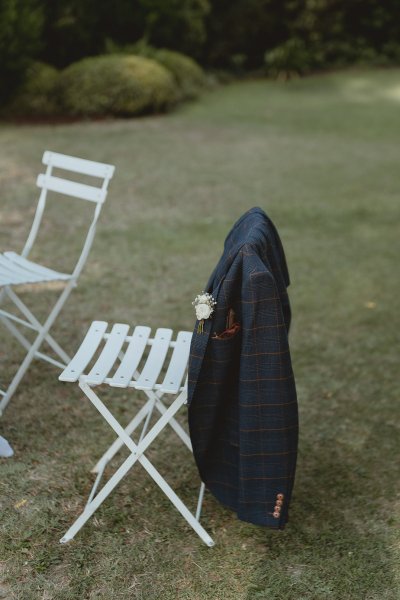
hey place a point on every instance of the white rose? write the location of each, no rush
(203, 311)
(202, 299)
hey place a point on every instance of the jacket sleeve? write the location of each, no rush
(267, 401)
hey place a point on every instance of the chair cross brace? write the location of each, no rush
(137, 455)
(32, 348)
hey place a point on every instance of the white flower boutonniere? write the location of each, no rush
(204, 306)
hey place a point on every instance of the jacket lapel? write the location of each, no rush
(199, 343)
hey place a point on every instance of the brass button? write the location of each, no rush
(279, 496)
(279, 502)
(277, 509)
(276, 515)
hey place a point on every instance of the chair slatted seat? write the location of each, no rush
(108, 355)
(15, 269)
(129, 364)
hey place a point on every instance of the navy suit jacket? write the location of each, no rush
(242, 403)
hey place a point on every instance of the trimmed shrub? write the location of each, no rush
(36, 95)
(188, 75)
(115, 85)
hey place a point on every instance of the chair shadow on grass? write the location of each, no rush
(329, 548)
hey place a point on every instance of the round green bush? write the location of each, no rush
(36, 95)
(115, 85)
(187, 73)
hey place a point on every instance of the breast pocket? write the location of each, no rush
(227, 334)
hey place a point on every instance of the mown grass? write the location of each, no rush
(320, 155)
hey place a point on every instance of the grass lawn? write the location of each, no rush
(321, 157)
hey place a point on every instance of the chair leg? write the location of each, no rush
(44, 329)
(26, 343)
(31, 317)
(137, 451)
(92, 506)
(200, 500)
(177, 502)
(20, 373)
(118, 444)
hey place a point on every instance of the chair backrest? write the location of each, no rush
(92, 193)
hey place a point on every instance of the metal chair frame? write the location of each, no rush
(124, 355)
(17, 269)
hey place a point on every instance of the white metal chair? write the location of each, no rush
(135, 360)
(17, 269)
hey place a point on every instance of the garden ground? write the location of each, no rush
(320, 156)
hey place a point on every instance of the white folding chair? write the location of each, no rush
(16, 269)
(135, 360)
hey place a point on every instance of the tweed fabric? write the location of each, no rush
(242, 398)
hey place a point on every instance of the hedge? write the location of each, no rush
(222, 34)
(115, 85)
(189, 76)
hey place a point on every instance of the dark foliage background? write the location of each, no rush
(284, 35)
